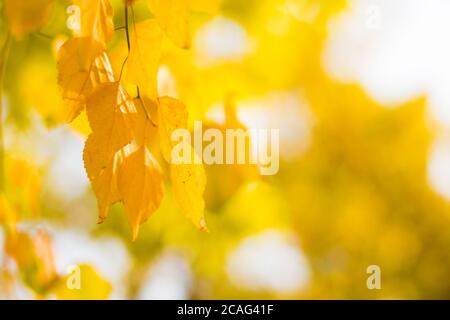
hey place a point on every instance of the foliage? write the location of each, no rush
(357, 195)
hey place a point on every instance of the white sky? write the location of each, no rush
(271, 261)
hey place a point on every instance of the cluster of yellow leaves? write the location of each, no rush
(117, 155)
(31, 251)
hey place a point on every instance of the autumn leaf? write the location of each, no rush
(143, 59)
(188, 185)
(140, 183)
(76, 65)
(143, 122)
(96, 19)
(172, 115)
(103, 178)
(106, 108)
(27, 16)
(172, 16)
(188, 179)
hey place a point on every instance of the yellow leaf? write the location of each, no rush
(27, 16)
(172, 16)
(103, 178)
(91, 286)
(75, 72)
(143, 122)
(172, 114)
(140, 183)
(143, 60)
(188, 180)
(106, 108)
(96, 19)
(188, 184)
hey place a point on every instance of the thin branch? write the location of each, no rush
(126, 28)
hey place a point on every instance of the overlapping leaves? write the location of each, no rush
(118, 156)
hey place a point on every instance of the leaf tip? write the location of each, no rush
(135, 232)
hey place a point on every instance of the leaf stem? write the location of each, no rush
(4, 58)
(44, 35)
(126, 28)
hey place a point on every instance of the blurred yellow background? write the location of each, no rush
(359, 92)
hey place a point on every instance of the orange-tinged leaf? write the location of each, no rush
(172, 16)
(188, 185)
(27, 16)
(75, 72)
(103, 178)
(140, 183)
(172, 115)
(96, 19)
(143, 122)
(106, 108)
(143, 60)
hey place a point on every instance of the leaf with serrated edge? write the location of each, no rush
(188, 185)
(106, 109)
(75, 72)
(172, 115)
(140, 183)
(96, 19)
